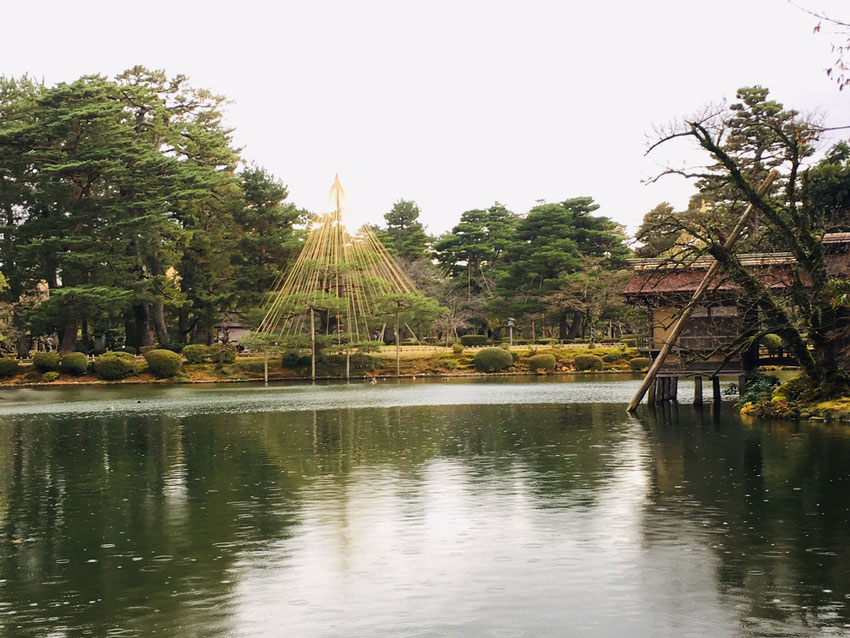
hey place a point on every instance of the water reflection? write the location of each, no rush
(514, 519)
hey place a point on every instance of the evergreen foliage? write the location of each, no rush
(588, 362)
(492, 360)
(112, 366)
(473, 340)
(9, 367)
(45, 361)
(195, 353)
(637, 364)
(75, 363)
(164, 363)
(541, 362)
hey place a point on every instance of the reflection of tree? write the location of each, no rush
(770, 501)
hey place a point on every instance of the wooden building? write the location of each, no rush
(663, 287)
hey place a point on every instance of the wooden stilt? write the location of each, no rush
(266, 366)
(698, 390)
(742, 383)
(674, 388)
(653, 389)
(715, 388)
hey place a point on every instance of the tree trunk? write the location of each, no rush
(562, 325)
(144, 334)
(576, 326)
(159, 321)
(69, 336)
(130, 339)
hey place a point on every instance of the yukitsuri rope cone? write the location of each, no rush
(338, 276)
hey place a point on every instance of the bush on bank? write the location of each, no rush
(46, 361)
(164, 363)
(639, 363)
(195, 353)
(588, 362)
(9, 367)
(493, 360)
(112, 366)
(75, 363)
(541, 362)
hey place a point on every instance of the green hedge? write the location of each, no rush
(195, 353)
(49, 376)
(542, 362)
(639, 363)
(588, 362)
(164, 363)
(457, 348)
(112, 366)
(74, 363)
(46, 361)
(473, 340)
(9, 367)
(493, 360)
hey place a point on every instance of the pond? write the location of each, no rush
(488, 507)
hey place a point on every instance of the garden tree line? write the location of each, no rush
(123, 195)
(126, 211)
(558, 268)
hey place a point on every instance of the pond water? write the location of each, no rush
(497, 507)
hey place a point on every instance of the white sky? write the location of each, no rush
(452, 104)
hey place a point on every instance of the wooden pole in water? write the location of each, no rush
(687, 310)
(266, 366)
(397, 349)
(715, 388)
(697, 390)
(313, 343)
(653, 389)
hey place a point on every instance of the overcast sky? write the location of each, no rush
(452, 104)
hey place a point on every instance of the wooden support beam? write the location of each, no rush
(674, 388)
(715, 388)
(698, 390)
(653, 389)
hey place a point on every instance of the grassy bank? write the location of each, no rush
(794, 399)
(416, 361)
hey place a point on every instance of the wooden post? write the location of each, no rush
(397, 349)
(742, 383)
(674, 388)
(687, 310)
(698, 390)
(715, 388)
(662, 389)
(313, 343)
(266, 366)
(650, 398)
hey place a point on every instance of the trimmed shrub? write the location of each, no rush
(164, 363)
(771, 341)
(127, 356)
(457, 348)
(195, 353)
(290, 359)
(129, 350)
(174, 347)
(46, 361)
(112, 366)
(609, 358)
(542, 362)
(9, 367)
(515, 356)
(639, 363)
(47, 377)
(630, 343)
(588, 362)
(220, 352)
(493, 360)
(451, 364)
(74, 363)
(473, 340)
